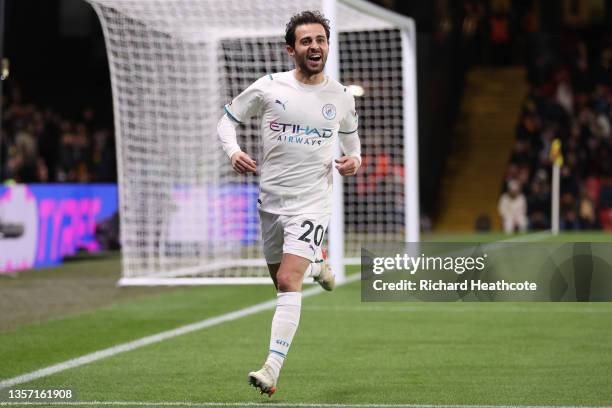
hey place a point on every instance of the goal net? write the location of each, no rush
(186, 217)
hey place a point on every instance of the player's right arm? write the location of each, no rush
(226, 131)
(246, 105)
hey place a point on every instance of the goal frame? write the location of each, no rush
(338, 261)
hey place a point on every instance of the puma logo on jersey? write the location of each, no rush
(281, 104)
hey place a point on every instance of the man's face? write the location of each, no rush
(310, 48)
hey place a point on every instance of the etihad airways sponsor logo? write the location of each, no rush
(313, 141)
(297, 130)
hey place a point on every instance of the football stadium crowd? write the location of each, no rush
(570, 99)
(42, 145)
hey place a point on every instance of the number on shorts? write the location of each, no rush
(318, 232)
(318, 235)
(304, 236)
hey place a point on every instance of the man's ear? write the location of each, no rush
(290, 50)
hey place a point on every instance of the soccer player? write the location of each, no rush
(303, 112)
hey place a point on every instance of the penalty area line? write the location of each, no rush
(265, 404)
(155, 338)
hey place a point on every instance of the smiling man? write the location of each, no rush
(302, 112)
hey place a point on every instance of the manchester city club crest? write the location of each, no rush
(329, 111)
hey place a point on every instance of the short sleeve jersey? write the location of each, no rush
(299, 125)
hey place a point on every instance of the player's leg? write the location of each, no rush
(272, 235)
(272, 232)
(319, 270)
(300, 245)
(273, 240)
(285, 322)
(273, 270)
(290, 275)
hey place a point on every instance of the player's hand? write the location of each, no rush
(242, 163)
(347, 165)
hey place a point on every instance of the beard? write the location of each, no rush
(305, 67)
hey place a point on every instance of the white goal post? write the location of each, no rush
(186, 217)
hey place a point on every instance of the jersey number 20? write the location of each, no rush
(318, 232)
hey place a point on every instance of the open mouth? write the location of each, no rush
(314, 57)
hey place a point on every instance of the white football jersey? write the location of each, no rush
(299, 125)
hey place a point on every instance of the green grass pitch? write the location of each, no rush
(345, 352)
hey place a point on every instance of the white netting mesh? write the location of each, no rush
(174, 64)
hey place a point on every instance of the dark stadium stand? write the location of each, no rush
(570, 98)
(41, 145)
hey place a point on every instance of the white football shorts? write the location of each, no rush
(300, 235)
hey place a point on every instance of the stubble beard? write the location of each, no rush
(302, 62)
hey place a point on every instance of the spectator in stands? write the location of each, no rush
(570, 98)
(564, 95)
(605, 193)
(538, 206)
(581, 77)
(569, 220)
(569, 182)
(38, 145)
(25, 156)
(513, 208)
(48, 143)
(569, 216)
(521, 154)
(586, 212)
(103, 163)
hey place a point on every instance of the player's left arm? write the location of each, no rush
(348, 164)
(350, 144)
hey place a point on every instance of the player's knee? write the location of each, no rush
(285, 282)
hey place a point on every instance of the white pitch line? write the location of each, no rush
(155, 338)
(270, 404)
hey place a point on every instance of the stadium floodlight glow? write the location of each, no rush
(356, 90)
(174, 64)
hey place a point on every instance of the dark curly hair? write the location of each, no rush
(305, 17)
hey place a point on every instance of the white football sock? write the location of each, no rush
(284, 325)
(314, 270)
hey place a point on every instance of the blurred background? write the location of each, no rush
(498, 81)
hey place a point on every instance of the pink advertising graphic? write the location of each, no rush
(42, 224)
